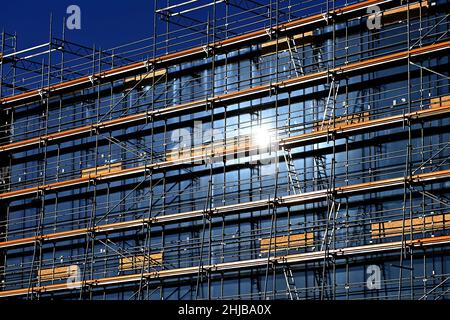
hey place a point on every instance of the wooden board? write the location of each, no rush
(341, 121)
(144, 78)
(291, 241)
(421, 224)
(242, 144)
(137, 262)
(52, 274)
(301, 39)
(438, 102)
(108, 168)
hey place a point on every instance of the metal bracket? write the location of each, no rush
(147, 168)
(282, 260)
(270, 32)
(275, 202)
(153, 220)
(42, 93)
(147, 223)
(42, 141)
(273, 89)
(148, 65)
(40, 192)
(207, 49)
(95, 128)
(149, 116)
(92, 181)
(93, 79)
(208, 213)
(91, 231)
(209, 105)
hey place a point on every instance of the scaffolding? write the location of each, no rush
(267, 150)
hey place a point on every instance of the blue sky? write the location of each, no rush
(103, 23)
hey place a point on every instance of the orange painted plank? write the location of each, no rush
(421, 224)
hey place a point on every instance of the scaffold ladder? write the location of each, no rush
(295, 57)
(321, 276)
(322, 273)
(328, 112)
(326, 238)
(290, 283)
(294, 180)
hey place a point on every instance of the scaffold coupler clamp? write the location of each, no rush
(275, 201)
(333, 74)
(273, 89)
(409, 248)
(337, 253)
(152, 220)
(92, 180)
(271, 31)
(43, 141)
(203, 270)
(410, 180)
(147, 222)
(281, 260)
(95, 129)
(40, 191)
(208, 49)
(332, 192)
(39, 239)
(93, 78)
(327, 16)
(209, 104)
(334, 255)
(148, 169)
(42, 93)
(406, 119)
(149, 65)
(91, 231)
(149, 116)
(331, 133)
(92, 283)
(208, 213)
(213, 267)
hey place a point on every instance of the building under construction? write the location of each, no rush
(247, 150)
